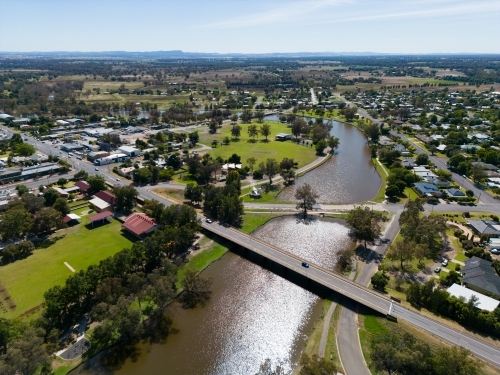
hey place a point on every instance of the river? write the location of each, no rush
(254, 313)
(349, 176)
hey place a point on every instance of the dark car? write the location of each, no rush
(304, 264)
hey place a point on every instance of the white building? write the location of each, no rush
(130, 151)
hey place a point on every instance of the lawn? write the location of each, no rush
(28, 279)
(383, 175)
(252, 221)
(259, 149)
(266, 196)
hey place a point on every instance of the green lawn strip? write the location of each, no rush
(266, 196)
(175, 194)
(251, 221)
(457, 216)
(259, 149)
(27, 280)
(370, 327)
(201, 261)
(380, 197)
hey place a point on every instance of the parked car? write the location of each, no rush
(445, 263)
(437, 269)
(495, 251)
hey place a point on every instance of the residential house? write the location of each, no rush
(483, 302)
(426, 189)
(479, 275)
(107, 197)
(83, 185)
(385, 141)
(455, 193)
(485, 227)
(402, 150)
(99, 205)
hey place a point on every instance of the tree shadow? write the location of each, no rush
(252, 141)
(48, 242)
(367, 255)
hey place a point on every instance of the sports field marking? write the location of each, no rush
(70, 268)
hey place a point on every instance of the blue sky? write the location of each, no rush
(252, 26)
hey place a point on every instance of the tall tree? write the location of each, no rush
(265, 130)
(333, 143)
(236, 131)
(126, 197)
(15, 223)
(306, 197)
(270, 168)
(48, 219)
(402, 251)
(97, 183)
(365, 223)
(251, 162)
(253, 131)
(61, 205)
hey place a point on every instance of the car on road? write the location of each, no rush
(495, 251)
(208, 221)
(437, 269)
(304, 264)
(96, 168)
(118, 179)
(445, 263)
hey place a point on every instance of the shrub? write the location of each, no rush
(257, 175)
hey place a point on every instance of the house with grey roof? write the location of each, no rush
(479, 274)
(426, 189)
(455, 193)
(485, 227)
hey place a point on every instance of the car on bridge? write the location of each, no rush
(208, 221)
(304, 264)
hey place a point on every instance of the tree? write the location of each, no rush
(21, 190)
(236, 131)
(433, 149)
(380, 281)
(81, 175)
(231, 209)
(194, 193)
(265, 130)
(32, 202)
(48, 219)
(270, 168)
(194, 138)
(306, 197)
(317, 366)
(298, 127)
(212, 126)
(253, 131)
(25, 149)
(259, 115)
(372, 132)
(25, 355)
(402, 251)
(96, 183)
(61, 205)
(392, 191)
(422, 159)
(226, 141)
(197, 288)
(455, 361)
(320, 147)
(15, 140)
(15, 223)
(365, 223)
(126, 198)
(62, 181)
(233, 179)
(251, 162)
(234, 118)
(246, 116)
(142, 175)
(477, 172)
(333, 143)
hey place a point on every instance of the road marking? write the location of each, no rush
(70, 268)
(390, 308)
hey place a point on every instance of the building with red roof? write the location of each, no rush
(107, 197)
(140, 224)
(83, 185)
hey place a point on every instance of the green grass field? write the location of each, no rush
(27, 280)
(382, 173)
(259, 149)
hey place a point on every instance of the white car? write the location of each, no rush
(96, 168)
(445, 263)
(437, 269)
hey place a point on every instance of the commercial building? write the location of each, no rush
(72, 147)
(140, 224)
(130, 151)
(113, 158)
(483, 302)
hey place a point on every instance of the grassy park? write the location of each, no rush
(259, 149)
(27, 280)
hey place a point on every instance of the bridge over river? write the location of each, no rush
(357, 292)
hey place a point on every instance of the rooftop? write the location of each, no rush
(483, 302)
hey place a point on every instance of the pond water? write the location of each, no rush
(254, 312)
